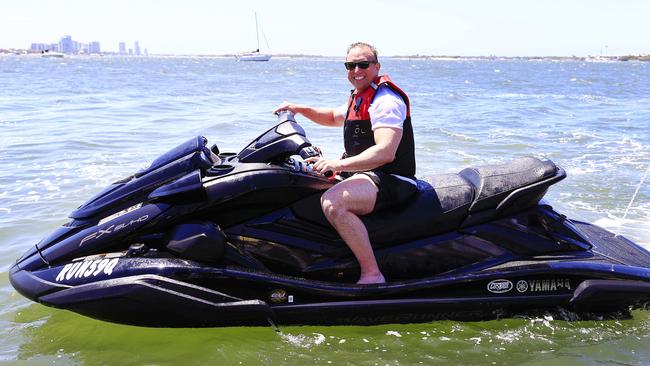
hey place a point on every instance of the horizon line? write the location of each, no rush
(116, 53)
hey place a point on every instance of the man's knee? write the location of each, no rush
(332, 204)
(356, 196)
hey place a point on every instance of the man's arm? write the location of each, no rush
(322, 116)
(383, 152)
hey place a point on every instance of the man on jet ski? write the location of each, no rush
(379, 158)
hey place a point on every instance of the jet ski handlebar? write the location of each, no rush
(286, 115)
(307, 151)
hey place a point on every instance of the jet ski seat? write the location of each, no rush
(450, 201)
(493, 183)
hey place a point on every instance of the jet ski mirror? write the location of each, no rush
(310, 152)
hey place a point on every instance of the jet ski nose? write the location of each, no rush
(25, 283)
(30, 261)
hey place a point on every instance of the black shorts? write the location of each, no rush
(393, 191)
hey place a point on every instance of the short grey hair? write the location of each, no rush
(363, 44)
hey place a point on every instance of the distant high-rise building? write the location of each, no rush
(122, 48)
(66, 45)
(130, 51)
(93, 47)
(39, 47)
(146, 52)
(136, 47)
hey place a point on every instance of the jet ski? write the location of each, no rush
(204, 238)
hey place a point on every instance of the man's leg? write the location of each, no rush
(342, 205)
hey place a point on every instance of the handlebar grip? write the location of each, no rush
(328, 174)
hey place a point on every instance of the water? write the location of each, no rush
(69, 127)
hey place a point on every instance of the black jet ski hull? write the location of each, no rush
(202, 238)
(157, 301)
(174, 292)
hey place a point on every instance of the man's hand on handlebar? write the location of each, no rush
(286, 106)
(328, 168)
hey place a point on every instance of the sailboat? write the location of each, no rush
(255, 55)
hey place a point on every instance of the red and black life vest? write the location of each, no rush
(358, 134)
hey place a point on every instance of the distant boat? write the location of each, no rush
(48, 53)
(255, 55)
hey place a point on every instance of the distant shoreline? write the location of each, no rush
(645, 57)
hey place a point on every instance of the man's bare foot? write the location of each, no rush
(371, 279)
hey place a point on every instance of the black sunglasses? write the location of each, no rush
(362, 65)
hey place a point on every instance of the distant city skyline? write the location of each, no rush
(67, 45)
(411, 27)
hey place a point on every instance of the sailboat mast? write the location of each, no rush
(257, 33)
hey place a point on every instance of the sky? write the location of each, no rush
(395, 27)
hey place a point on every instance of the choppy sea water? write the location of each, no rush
(69, 127)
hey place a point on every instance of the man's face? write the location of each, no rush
(361, 78)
